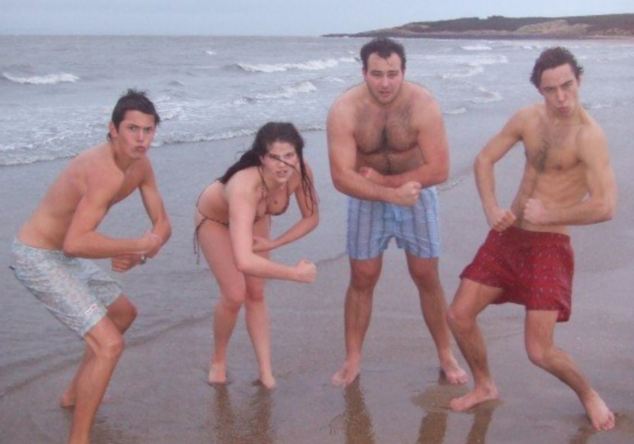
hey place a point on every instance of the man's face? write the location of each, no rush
(384, 77)
(135, 133)
(560, 89)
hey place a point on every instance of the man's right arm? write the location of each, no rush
(498, 218)
(342, 152)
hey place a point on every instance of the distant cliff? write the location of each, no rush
(497, 26)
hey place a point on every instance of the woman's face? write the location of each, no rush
(280, 160)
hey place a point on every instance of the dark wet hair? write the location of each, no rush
(133, 100)
(384, 47)
(268, 134)
(552, 58)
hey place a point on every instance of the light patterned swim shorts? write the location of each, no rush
(371, 225)
(75, 290)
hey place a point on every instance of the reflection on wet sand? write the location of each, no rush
(433, 426)
(624, 423)
(250, 423)
(358, 423)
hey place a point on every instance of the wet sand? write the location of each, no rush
(159, 392)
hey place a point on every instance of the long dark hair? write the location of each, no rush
(268, 134)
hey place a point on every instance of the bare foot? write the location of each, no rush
(267, 382)
(453, 372)
(477, 396)
(217, 374)
(346, 375)
(600, 415)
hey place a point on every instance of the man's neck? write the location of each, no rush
(122, 161)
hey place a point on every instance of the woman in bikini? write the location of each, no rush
(233, 224)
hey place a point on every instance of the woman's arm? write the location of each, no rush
(243, 196)
(309, 208)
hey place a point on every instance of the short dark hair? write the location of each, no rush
(384, 47)
(552, 58)
(133, 100)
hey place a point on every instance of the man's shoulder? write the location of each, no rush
(91, 156)
(345, 107)
(528, 116)
(350, 96)
(98, 167)
(418, 99)
(590, 132)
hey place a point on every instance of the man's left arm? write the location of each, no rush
(161, 227)
(600, 203)
(432, 142)
(153, 203)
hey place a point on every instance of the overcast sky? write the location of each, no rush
(267, 17)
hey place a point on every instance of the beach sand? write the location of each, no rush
(159, 392)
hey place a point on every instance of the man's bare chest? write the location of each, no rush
(385, 134)
(552, 150)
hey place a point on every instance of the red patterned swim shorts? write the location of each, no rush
(533, 268)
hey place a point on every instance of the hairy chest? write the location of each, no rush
(380, 132)
(553, 149)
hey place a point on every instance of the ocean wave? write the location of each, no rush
(286, 93)
(180, 139)
(486, 96)
(48, 79)
(210, 52)
(456, 111)
(453, 182)
(311, 65)
(489, 60)
(479, 47)
(468, 72)
(598, 105)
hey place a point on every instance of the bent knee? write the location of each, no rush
(111, 348)
(459, 319)
(538, 355)
(130, 315)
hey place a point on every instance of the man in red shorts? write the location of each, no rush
(527, 257)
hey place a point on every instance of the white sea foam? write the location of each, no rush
(489, 59)
(182, 138)
(210, 52)
(478, 47)
(288, 92)
(486, 96)
(469, 71)
(47, 79)
(474, 65)
(310, 65)
(456, 111)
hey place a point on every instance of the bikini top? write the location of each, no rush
(272, 205)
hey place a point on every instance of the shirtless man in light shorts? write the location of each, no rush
(53, 247)
(527, 257)
(388, 148)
